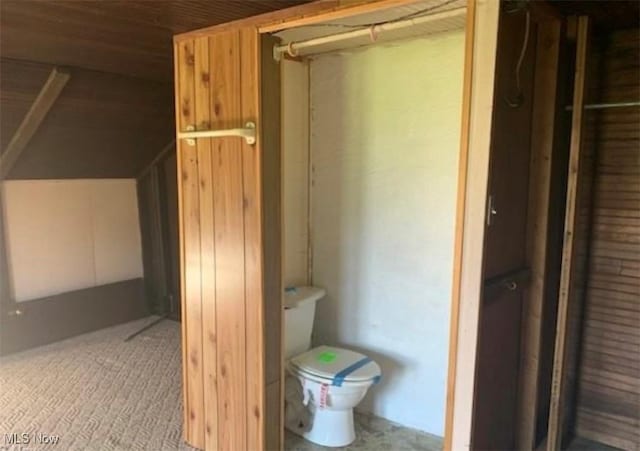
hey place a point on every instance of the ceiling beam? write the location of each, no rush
(32, 120)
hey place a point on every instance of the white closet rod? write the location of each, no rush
(604, 106)
(373, 30)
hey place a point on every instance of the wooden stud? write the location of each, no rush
(32, 120)
(459, 227)
(556, 410)
(542, 139)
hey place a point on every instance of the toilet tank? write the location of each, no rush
(299, 310)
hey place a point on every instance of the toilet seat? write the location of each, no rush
(335, 366)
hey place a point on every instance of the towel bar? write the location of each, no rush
(248, 133)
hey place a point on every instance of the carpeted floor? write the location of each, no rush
(98, 392)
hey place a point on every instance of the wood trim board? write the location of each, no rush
(556, 411)
(459, 227)
(542, 140)
(470, 266)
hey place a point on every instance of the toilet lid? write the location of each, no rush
(337, 365)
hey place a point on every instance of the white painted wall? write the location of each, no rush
(65, 235)
(295, 170)
(384, 147)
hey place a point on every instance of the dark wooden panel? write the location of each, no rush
(272, 242)
(510, 151)
(6, 301)
(130, 37)
(605, 14)
(65, 315)
(154, 256)
(169, 192)
(609, 391)
(497, 382)
(505, 259)
(102, 125)
(273, 421)
(158, 210)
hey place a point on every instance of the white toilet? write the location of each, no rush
(334, 380)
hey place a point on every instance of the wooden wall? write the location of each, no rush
(222, 229)
(60, 316)
(130, 37)
(158, 204)
(102, 125)
(609, 373)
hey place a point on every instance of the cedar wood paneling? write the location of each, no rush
(609, 374)
(221, 233)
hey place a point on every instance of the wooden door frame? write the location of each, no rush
(477, 105)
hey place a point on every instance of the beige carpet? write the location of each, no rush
(97, 392)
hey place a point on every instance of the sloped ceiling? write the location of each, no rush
(116, 112)
(102, 125)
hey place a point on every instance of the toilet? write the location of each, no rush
(334, 380)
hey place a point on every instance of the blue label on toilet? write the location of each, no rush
(341, 376)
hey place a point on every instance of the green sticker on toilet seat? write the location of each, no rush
(326, 357)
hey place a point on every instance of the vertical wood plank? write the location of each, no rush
(608, 397)
(207, 244)
(459, 227)
(190, 240)
(229, 242)
(180, 225)
(556, 411)
(251, 162)
(542, 138)
(271, 167)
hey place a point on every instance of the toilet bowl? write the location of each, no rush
(334, 381)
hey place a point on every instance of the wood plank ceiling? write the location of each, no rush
(116, 112)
